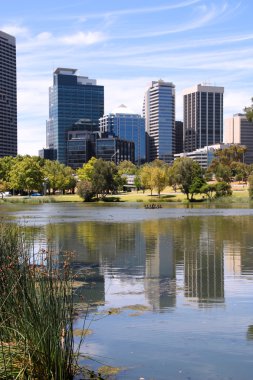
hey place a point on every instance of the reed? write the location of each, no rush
(36, 311)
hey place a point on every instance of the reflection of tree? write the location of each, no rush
(250, 332)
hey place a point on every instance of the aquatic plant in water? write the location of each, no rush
(36, 311)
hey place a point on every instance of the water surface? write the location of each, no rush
(180, 279)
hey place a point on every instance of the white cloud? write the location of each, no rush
(83, 38)
(15, 30)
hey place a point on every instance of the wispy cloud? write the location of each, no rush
(15, 30)
(83, 38)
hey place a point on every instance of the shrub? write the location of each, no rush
(85, 190)
(250, 186)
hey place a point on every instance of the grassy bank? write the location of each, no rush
(37, 311)
(240, 194)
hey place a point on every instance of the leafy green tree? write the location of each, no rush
(86, 172)
(159, 178)
(26, 175)
(69, 180)
(208, 189)
(234, 153)
(6, 163)
(240, 171)
(146, 177)
(103, 177)
(196, 186)
(185, 171)
(223, 172)
(53, 175)
(223, 189)
(249, 111)
(126, 167)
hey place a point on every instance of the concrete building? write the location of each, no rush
(71, 98)
(203, 156)
(126, 125)
(238, 130)
(159, 113)
(8, 96)
(203, 116)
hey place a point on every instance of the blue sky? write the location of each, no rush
(125, 45)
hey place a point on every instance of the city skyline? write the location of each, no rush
(125, 47)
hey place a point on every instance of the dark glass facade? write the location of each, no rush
(115, 149)
(130, 127)
(179, 137)
(8, 96)
(71, 98)
(203, 117)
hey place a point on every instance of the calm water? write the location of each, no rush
(181, 280)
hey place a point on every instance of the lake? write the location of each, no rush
(170, 290)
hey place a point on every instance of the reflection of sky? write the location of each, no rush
(126, 291)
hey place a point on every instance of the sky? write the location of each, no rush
(125, 45)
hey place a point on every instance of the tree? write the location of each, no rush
(146, 178)
(103, 177)
(196, 186)
(249, 111)
(6, 163)
(26, 174)
(222, 172)
(208, 189)
(223, 189)
(126, 167)
(86, 172)
(185, 172)
(235, 153)
(159, 178)
(240, 171)
(53, 175)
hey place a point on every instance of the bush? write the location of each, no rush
(85, 190)
(223, 189)
(250, 187)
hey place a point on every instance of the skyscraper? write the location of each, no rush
(239, 130)
(126, 125)
(8, 96)
(203, 116)
(72, 98)
(159, 112)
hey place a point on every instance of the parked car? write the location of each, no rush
(36, 195)
(5, 194)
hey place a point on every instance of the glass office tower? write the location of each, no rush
(126, 125)
(71, 98)
(8, 96)
(203, 116)
(159, 112)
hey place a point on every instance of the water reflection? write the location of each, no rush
(148, 258)
(193, 277)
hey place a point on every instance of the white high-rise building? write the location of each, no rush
(159, 113)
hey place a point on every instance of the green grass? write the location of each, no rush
(168, 195)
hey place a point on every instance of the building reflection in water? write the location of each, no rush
(203, 263)
(139, 262)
